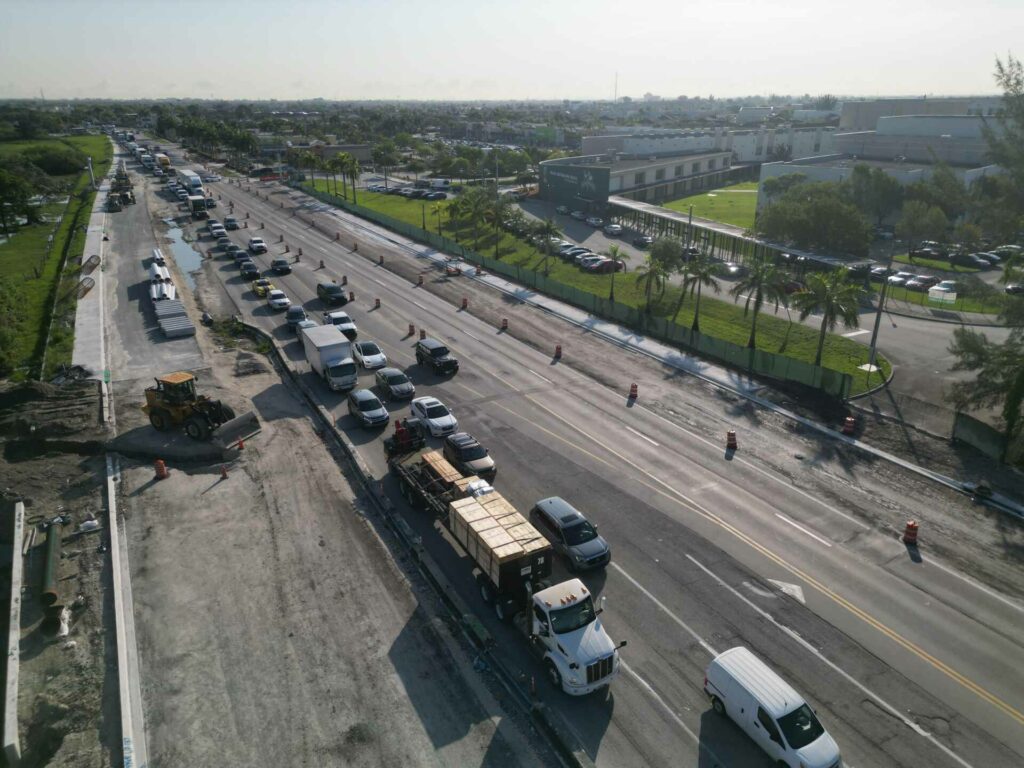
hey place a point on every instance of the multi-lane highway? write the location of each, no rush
(907, 663)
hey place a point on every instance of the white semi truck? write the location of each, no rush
(512, 565)
(329, 353)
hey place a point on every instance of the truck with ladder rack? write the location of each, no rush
(512, 564)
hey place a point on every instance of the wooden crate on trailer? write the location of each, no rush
(500, 540)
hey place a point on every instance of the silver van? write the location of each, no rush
(744, 689)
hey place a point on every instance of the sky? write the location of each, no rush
(489, 50)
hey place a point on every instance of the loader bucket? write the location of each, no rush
(238, 428)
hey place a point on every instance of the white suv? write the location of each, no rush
(256, 245)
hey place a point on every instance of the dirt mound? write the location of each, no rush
(37, 409)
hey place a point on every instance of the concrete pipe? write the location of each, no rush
(51, 564)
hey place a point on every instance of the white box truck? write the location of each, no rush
(329, 353)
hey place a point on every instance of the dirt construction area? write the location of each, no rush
(274, 626)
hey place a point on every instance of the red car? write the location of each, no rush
(608, 265)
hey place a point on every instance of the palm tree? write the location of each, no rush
(545, 230)
(495, 212)
(764, 282)
(616, 254)
(651, 275)
(352, 169)
(312, 162)
(333, 165)
(475, 208)
(436, 210)
(340, 165)
(835, 298)
(699, 272)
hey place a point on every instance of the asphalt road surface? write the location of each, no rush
(907, 662)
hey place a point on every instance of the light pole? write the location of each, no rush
(881, 307)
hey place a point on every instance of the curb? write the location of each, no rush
(12, 741)
(549, 721)
(927, 319)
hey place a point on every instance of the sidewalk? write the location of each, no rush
(89, 351)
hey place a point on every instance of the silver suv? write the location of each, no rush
(570, 534)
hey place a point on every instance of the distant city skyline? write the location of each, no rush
(459, 50)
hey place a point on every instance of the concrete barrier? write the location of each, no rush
(12, 742)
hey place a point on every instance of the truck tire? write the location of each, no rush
(486, 592)
(553, 674)
(227, 413)
(504, 609)
(197, 428)
(718, 706)
(160, 419)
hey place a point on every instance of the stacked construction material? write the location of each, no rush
(170, 312)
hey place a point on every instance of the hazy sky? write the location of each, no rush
(487, 49)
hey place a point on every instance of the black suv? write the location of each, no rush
(281, 266)
(435, 354)
(331, 293)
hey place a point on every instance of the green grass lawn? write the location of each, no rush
(33, 272)
(941, 264)
(735, 204)
(719, 317)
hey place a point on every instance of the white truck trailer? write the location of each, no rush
(512, 565)
(329, 353)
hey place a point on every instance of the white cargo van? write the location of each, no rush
(744, 689)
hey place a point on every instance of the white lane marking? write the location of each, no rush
(793, 590)
(686, 627)
(420, 306)
(378, 282)
(678, 720)
(545, 378)
(640, 434)
(800, 528)
(833, 666)
(971, 582)
(705, 487)
(471, 335)
(851, 334)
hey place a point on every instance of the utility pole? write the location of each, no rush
(878, 314)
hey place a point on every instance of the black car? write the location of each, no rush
(1015, 289)
(294, 316)
(642, 241)
(435, 354)
(394, 384)
(364, 406)
(249, 270)
(281, 266)
(465, 453)
(211, 203)
(331, 293)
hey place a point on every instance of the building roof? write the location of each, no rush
(649, 162)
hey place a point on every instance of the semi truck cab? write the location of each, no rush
(565, 628)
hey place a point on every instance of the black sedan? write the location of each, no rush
(393, 384)
(642, 241)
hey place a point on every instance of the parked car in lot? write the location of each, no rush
(608, 265)
(277, 299)
(921, 283)
(369, 355)
(262, 287)
(562, 209)
(465, 453)
(613, 230)
(281, 266)
(588, 261)
(570, 254)
(595, 221)
(434, 353)
(881, 273)
(571, 534)
(394, 384)
(256, 245)
(1015, 289)
(971, 260)
(331, 293)
(946, 286)
(642, 241)
(579, 215)
(438, 195)
(434, 415)
(900, 278)
(366, 408)
(294, 316)
(993, 259)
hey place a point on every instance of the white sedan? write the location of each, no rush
(435, 415)
(277, 300)
(369, 355)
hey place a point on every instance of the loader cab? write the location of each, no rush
(177, 388)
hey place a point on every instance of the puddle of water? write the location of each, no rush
(187, 259)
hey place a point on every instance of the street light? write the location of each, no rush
(881, 307)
